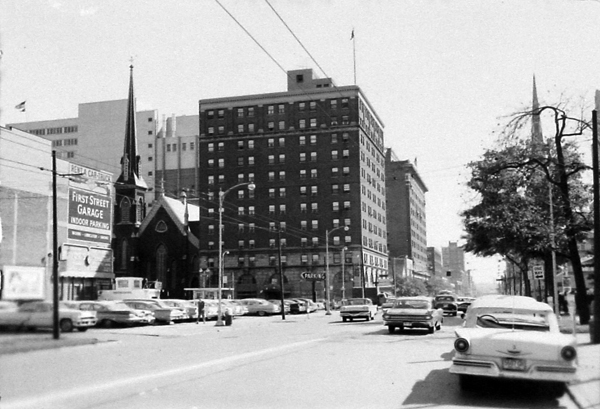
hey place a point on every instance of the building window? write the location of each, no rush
(333, 103)
(303, 207)
(282, 158)
(346, 187)
(313, 173)
(282, 125)
(221, 163)
(241, 246)
(302, 173)
(271, 210)
(210, 147)
(251, 111)
(271, 192)
(302, 124)
(314, 191)
(240, 112)
(334, 155)
(302, 140)
(313, 156)
(335, 206)
(271, 159)
(281, 209)
(221, 129)
(302, 106)
(344, 102)
(271, 126)
(221, 113)
(302, 156)
(282, 192)
(313, 122)
(271, 176)
(282, 175)
(241, 211)
(303, 242)
(251, 210)
(345, 120)
(210, 114)
(314, 208)
(303, 190)
(346, 170)
(335, 189)
(303, 225)
(240, 145)
(314, 225)
(281, 108)
(240, 161)
(240, 128)
(313, 139)
(346, 153)
(221, 147)
(270, 110)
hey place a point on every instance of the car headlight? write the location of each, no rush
(385, 316)
(428, 317)
(568, 353)
(461, 345)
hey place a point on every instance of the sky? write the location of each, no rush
(442, 75)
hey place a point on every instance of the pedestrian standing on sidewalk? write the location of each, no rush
(201, 312)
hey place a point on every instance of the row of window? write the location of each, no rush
(271, 142)
(274, 260)
(54, 131)
(172, 147)
(279, 109)
(280, 126)
(65, 142)
(251, 211)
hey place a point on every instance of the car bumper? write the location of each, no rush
(537, 371)
(85, 323)
(355, 314)
(408, 324)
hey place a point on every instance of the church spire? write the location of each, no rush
(536, 126)
(130, 161)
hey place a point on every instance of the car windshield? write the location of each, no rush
(355, 301)
(444, 298)
(524, 320)
(414, 304)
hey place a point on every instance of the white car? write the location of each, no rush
(358, 308)
(40, 314)
(513, 337)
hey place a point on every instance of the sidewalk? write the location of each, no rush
(585, 392)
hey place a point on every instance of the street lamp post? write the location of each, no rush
(327, 290)
(222, 194)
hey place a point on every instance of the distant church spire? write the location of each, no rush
(536, 126)
(130, 161)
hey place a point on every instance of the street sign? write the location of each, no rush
(538, 272)
(312, 276)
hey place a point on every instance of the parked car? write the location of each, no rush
(40, 314)
(413, 312)
(112, 313)
(162, 313)
(236, 308)
(258, 306)
(447, 302)
(358, 308)
(298, 306)
(311, 306)
(190, 308)
(513, 337)
(285, 304)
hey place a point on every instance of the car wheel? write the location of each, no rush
(261, 313)
(66, 325)
(391, 329)
(351, 319)
(438, 326)
(106, 324)
(344, 319)
(431, 329)
(82, 329)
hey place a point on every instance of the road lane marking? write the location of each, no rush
(48, 400)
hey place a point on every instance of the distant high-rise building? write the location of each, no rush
(406, 214)
(453, 259)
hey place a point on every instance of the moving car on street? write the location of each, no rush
(413, 312)
(447, 302)
(39, 314)
(513, 337)
(358, 308)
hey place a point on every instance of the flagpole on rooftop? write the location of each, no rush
(354, 54)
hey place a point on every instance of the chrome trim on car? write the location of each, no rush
(465, 362)
(555, 369)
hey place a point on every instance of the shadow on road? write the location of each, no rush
(440, 387)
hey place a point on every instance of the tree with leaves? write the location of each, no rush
(515, 184)
(410, 287)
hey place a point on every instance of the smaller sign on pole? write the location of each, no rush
(538, 272)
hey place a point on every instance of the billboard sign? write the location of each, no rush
(90, 206)
(23, 283)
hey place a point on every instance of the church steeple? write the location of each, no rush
(130, 161)
(536, 126)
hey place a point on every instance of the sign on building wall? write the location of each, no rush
(23, 283)
(90, 206)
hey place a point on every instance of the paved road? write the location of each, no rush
(256, 363)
